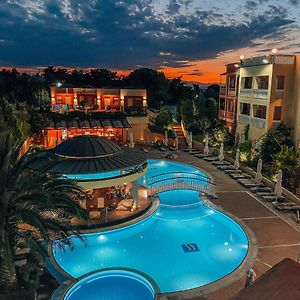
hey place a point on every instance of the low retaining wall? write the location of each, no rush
(290, 196)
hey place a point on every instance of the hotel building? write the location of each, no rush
(106, 112)
(229, 88)
(268, 94)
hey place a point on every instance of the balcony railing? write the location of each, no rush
(247, 93)
(232, 92)
(258, 122)
(279, 94)
(222, 114)
(222, 90)
(244, 119)
(254, 93)
(260, 94)
(230, 115)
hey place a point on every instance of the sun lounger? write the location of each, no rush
(226, 167)
(193, 152)
(232, 171)
(220, 163)
(260, 188)
(190, 149)
(172, 148)
(286, 206)
(211, 158)
(246, 183)
(267, 193)
(239, 176)
(202, 155)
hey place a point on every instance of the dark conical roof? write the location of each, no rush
(87, 155)
(87, 146)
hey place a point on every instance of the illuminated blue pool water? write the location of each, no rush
(110, 285)
(183, 245)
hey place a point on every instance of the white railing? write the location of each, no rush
(260, 94)
(244, 119)
(247, 93)
(254, 93)
(258, 122)
(180, 180)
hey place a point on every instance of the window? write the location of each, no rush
(222, 104)
(262, 82)
(115, 101)
(247, 82)
(280, 82)
(245, 109)
(230, 107)
(259, 111)
(277, 113)
(231, 82)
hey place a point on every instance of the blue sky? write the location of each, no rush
(173, 35)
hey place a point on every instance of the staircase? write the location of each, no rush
(181, 140)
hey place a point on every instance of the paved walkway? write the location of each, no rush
(276, 237)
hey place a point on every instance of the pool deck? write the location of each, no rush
(277, 235)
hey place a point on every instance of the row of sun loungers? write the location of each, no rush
(259, 189)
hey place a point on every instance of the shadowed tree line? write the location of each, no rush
(35, 89)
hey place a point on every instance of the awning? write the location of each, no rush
(95, 123)
(61, 124)
(117, 123)
(84, 124)
(126, 123)
(106, 123)
(73, 124)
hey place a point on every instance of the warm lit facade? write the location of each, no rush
(228, 96)
(97, 99)
(268, 95)
(105, 112)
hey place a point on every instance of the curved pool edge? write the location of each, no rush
(61, 292)
(232, 277)
(235, 275)
(57, 268)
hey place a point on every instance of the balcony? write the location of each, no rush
(279, 94)
(258, 123)
(222, 114)
(222, 91)
(246, 93)
(254, 93)
(260, 94)
(230, 115)
(244, 119)
(232, 92)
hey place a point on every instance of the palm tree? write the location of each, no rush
(35, 208)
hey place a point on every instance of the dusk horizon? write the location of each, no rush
(190, 39)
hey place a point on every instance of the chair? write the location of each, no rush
(100, 202)
(95, 214)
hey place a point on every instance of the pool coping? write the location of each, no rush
(235, 275)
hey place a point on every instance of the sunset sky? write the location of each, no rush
(189, 38)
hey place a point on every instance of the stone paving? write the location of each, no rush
(277, 236)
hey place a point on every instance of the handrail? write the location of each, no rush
(182, 182)
(180, 172)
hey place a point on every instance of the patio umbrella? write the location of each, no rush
(131, 143)
(166, 138)
(176, 143)
(191, 140)
(258, 175)
(221, 152)
(278, 186)
(237, 159)
(206, 148)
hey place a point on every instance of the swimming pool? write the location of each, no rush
(129, 285)
(185, 244)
